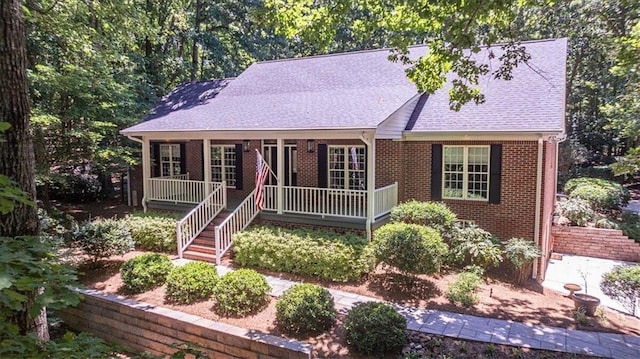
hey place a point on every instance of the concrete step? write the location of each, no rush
(197, 256)
(201, 249)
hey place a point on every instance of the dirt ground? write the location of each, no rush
(497, 299)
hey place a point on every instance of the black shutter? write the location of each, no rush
(183, 158)
(495, 174)
(436, 172)
(155, 164)
(322, 165)
(239, 175)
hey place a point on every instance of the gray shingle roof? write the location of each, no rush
(533, 101)
(360, 90)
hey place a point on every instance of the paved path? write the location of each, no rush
(490, 330)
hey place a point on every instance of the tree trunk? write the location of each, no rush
(194, 49)
(16, 152)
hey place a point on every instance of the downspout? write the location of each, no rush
(536, 231)
(371, 180)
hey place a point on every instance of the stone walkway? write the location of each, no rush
(490, 330)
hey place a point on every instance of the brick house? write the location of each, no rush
(348, 137)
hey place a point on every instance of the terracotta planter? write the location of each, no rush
(587, 302)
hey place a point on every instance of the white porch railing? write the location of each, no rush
(182, 176)
(385, 199)
(238, 220)
(319, 201)
(179, 190)
(189, 227)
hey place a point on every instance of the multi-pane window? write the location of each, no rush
(170, 160)
(223, 164)
(347, 167)
(465, 172)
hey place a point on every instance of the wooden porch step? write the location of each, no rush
(201, 249)
(198, 256)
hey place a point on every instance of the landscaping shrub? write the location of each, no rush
(521, 253)
(241, 292)
(103, 238)
(474, 246)
(463, 289)
(623, 284)
(191, 282)
(630, 225)
(433, 214)
(145, 272)
(305, 308)
(374, 327)
(606, 223)
(327, 255)
(153, 233)
(600, 193)
(577, 211)
(69, 187)
(412, 248)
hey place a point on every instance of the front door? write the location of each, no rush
(270, 154)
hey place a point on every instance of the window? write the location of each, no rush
(347, 167)
(170, 160)
(223, 164)
(465, 172)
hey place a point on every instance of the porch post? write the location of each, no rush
(369, 140)
(206, 158)
(146, 171)
(280, 174)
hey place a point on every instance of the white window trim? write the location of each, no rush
(347, 169)
(171, 162)
(465, 173)
(223, 172)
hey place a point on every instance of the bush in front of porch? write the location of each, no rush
(316, 253)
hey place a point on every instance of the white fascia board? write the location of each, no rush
(478, 136)
(252, 134)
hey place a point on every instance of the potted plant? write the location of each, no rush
(588, 303)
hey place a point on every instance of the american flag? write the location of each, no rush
(262, 171)
(354, 158)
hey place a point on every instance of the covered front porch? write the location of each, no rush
(328, 181)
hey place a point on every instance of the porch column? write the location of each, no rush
(370, 141)
(146, 171)
(206, 159)
(280, 174)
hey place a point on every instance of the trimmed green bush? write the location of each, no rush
(433, 214)
(241, 292)
(521, 253)
(103, 238)
(156, 234)
(412, 248)
(305, 308)
(578, 211)
(463, 289)
(322, 254)
(374, 327)
(630, 225)
(474, 246)
(145, 272)
(623, 284)
(600, 193)
(192, 282)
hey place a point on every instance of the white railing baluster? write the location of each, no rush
(238, 220)
(385, 199)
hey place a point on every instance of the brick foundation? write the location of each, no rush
(595, 242)
(145, 327)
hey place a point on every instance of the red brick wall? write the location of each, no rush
(193, 160)
(595, 242)
(144, 327)
(390, 163)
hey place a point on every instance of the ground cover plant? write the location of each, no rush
(241, 292)
(191, 282)
(144, 272)
(315, 253)
(305, 308)
(463, 290)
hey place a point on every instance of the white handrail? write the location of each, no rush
(319, 201)
(385, 199)
(189, 227)
(182, 176)
(178, 190)
(238, 220)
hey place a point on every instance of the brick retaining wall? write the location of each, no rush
(595, 242)
(145, 327)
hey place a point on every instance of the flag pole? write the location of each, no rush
(269, 167)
